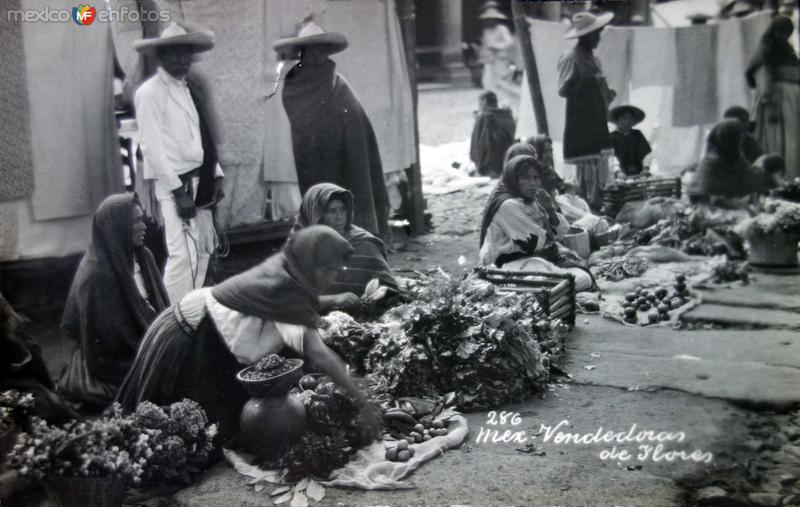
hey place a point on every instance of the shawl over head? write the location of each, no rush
(723, 171)
(282, 288)
(520, 148)
(315, 202)
(111, 254)
(507, 188)
(105, 312)
(369, 259)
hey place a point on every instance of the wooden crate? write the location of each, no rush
(555, 292)
(615, 196)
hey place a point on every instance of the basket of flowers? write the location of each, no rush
(90, 463)
(772, 234)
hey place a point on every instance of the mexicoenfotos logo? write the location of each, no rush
(84, 14)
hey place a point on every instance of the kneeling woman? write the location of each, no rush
(521, 227)
(116, 294)
(332, 205)
(195, 348)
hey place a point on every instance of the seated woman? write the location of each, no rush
(195, 348)
(521, 227)
(568, 203)
(115, 295)
(332, 205)
(723, 174)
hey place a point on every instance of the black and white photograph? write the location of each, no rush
(365, 253)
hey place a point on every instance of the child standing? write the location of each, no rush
(630, 146)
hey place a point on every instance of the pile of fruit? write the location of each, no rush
(411, 425)
(402, 450)
(656, 303)
(268, 367)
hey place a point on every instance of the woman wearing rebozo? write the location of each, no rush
(332, 205)
(195, 348)
(521, 228)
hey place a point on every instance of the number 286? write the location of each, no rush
(503, 418)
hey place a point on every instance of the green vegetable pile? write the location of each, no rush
(457, 336)
(335, 431)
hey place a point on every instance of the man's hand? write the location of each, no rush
(184, 204)
(219, 188)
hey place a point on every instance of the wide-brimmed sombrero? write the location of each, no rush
(492, 13)
(586, 22)
(183, 33)
(311, 34)
(637, 114)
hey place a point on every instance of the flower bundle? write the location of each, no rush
(15, 408)
(153, 445)
(175, 442)
(775, 216)
(93, 448)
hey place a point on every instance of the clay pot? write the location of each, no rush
(272, 419)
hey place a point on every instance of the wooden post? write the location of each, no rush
(406, 14)
(535, 87)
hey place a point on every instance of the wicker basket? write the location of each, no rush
(577, 240)
(554, 291)
(87, 491)
(615, 196)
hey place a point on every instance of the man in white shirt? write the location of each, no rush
(180, 156)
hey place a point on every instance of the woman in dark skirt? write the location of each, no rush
(194, 348)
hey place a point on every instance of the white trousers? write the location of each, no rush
(189, 246)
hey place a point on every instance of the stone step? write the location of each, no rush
(743, 316)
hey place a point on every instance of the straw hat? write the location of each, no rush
(492, 13)
(178, 33)
(615, 113)
(311, 34)
(586, 22)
